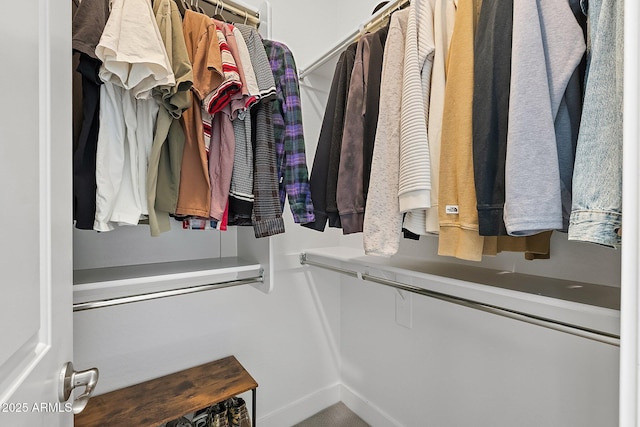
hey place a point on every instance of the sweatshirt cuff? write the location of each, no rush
(268, 227)
(318, 223)
(302, 214)
(413, 200)
(352, 223)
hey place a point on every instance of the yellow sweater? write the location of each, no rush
(457, 212)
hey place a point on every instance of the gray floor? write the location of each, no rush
(337, 415)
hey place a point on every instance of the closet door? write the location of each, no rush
(35, 218)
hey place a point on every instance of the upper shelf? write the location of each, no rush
(589, 305)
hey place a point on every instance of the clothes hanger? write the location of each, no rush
(379, 6)
(218, 15)
(246, 17)
(198, 8)
(182, 6)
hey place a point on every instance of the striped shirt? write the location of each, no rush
(222, 95)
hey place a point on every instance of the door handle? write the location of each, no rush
(70, 379)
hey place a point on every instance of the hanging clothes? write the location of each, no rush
(596, 213)
(372, 103)
(383, 224)
(88, 23)
(548, 46)
(349, 190)
(134, 63)
(163, 171)
(444, 20)
(336, 138)
(194, 197)
(231, 84)
(457, 199)
(221, 106)
(241, 187)
(289, 133)
(414, 187)
(322, 184)
(267, 213)
(568, 120)
(492, 79)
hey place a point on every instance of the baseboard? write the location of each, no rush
(302, 408)
(366, 410)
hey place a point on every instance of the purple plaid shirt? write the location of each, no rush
(287, 126)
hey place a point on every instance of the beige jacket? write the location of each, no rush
(383, 222)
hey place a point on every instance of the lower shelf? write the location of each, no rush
(589, 306)
(158, 401)
(104, 284)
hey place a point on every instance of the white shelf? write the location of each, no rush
(584, 304)
(116, 282)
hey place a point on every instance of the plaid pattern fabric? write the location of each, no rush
(267, 217)
(287, 127)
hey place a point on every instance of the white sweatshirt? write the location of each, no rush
(415, 165)
(383, 221)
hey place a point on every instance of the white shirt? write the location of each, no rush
(134, 62)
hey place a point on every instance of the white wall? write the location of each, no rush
(461, 367)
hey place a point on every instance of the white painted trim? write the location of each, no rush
(365, 409)
(302, 408)
(630, 277)
(46, 178)
(266, 22)
(16, 371)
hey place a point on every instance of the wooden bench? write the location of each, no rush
(163, 399)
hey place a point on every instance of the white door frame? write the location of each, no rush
(630, 304)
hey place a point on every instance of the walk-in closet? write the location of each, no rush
(295, 322)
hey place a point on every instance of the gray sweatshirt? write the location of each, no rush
(548, 45)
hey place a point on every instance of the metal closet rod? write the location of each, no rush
(163, 294)
(580, 331)
(252, 16)
(373, 24)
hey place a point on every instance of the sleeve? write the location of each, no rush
(320, 170)
(88, 24)
(415, 163)
(267, 215)
(336, 135)
(295, 180)
(350, 192)
(383, 224)
(181, 99)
